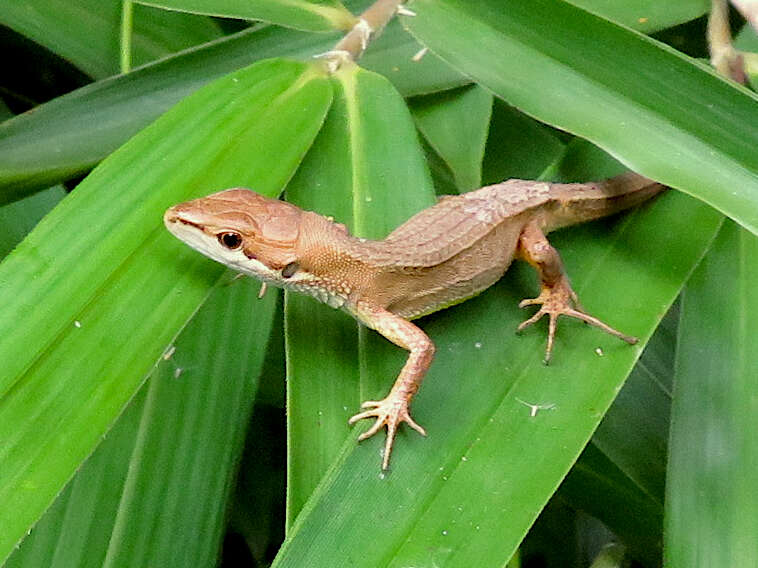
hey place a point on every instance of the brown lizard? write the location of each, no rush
(441, 256)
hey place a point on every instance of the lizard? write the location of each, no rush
(441, 256)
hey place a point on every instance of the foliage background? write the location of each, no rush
(142, 400)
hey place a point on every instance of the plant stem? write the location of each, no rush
(369, 25)
(127, 15)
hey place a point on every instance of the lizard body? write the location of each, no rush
(441, 256)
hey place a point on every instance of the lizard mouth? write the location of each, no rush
(172, 217)
(188, 223)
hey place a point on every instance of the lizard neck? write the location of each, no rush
(324, 246)
(338, 264)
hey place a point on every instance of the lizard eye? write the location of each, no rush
(230, 240)
(289, 270)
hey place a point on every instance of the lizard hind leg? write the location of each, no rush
(556, 297)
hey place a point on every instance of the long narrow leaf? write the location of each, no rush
(71, 134)
(173, 508)
(456, 124)
(95, 293)
(597, 486)
(17, 219)
(318, 16)
(646, 15)
(365, 169)
(157, 486)
(660, 113)
(86, 32)
(711, 501)
(76, 529)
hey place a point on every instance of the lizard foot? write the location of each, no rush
(561, 299)
(389, 412)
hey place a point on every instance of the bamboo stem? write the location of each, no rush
(369, 26)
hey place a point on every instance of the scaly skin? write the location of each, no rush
(439, 257)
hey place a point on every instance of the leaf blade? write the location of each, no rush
(86, 32)
(678, 123)
(366, 171)
(456, 124)
(118, 302)
(71, 134)
(710, 502)
(318, 16)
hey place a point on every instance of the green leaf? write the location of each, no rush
(623, 468)
(365, 169)
(395, 54)
(634, 433)
(612, 556)
(98, 289)
(597, 486)
(166, 466)
(711, 501)
(646, 15)
(195, 419)
(18, 218)
(582, 160)
(519, 147)
(315, 16)
(455, 124)
(657, 111)
(76, 528)
(464, 492)
(86, 32)
(71, 134)
(620, 475)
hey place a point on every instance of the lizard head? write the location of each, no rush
(251, 233)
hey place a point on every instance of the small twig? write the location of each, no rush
(369, 26)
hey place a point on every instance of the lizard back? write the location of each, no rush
(455, 223)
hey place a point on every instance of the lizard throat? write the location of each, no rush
(324, 290)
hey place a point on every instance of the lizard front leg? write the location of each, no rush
(395, 407)
(556, 295)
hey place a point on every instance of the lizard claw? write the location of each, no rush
(390, 412)
(558, 300)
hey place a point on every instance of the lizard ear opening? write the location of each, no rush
(289, 270)
(230, 240)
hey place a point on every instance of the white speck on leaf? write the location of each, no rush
(534, 408)
(419, 54)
